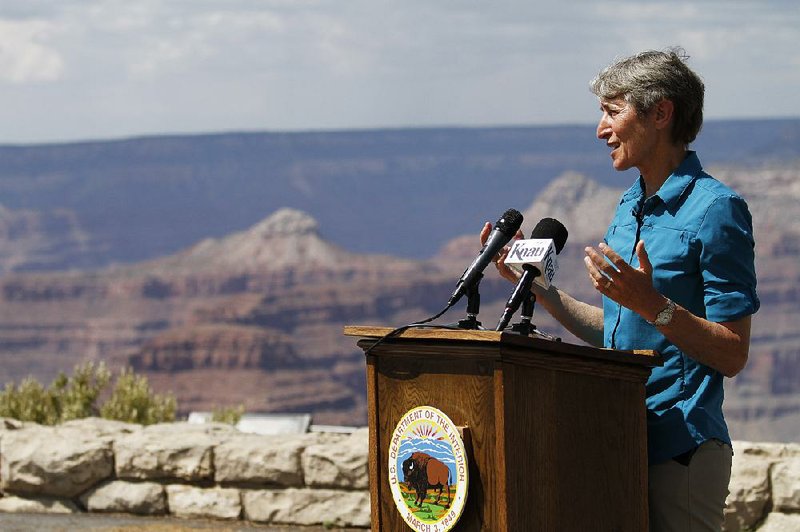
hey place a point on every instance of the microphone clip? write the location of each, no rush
(473, 307)
(525, 327)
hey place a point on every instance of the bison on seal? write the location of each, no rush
(421, 472)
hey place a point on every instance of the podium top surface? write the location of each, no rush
(642, 357)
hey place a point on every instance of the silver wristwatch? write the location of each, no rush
(665, 316)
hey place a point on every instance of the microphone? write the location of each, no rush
(504, 230)
(536, 258)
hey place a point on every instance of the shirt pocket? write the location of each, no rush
(676, 272)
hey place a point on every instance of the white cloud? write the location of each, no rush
(25, 55)
(115, 67)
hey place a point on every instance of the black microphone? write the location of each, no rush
(547, 228)
(504, 230)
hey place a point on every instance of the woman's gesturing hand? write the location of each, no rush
(616, 279)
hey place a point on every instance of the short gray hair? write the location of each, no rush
(648, 77)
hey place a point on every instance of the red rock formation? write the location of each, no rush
(256, 318)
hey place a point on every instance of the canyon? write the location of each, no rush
(232, 313)
(255, 317)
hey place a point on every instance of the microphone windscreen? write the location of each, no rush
(510, 222)
(552, 229)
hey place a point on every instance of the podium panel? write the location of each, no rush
(556, 432)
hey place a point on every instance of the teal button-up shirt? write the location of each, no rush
(698, 234)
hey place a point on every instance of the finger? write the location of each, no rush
(594, 272)
(600, 263)
(506, 272)
(499, 258)
(644, 258)
(600, 281)
(618, 262)
(487, 228)
(502, 255)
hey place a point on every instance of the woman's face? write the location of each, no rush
(630, 137)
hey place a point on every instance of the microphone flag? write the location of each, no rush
(539, 253)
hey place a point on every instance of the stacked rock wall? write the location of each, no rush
(214, 471)
(764, 488)
(185, 470)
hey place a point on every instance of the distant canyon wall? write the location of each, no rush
(255, 317)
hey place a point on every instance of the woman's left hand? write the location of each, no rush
(616, 279)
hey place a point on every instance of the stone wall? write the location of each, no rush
(214, 471)
(764, 488)
(185, 470)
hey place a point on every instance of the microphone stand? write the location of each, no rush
(524, 326)
(473, 307)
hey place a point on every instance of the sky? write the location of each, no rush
(73, 70)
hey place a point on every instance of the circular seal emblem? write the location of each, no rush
(428, 470)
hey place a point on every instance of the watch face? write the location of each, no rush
(665, 316)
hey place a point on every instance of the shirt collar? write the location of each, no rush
(675, 185)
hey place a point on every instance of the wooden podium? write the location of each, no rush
(557, 432)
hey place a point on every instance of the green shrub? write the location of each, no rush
(66, 398)
(133, 401)
(230, 415)
(76, 397)
(29, 402)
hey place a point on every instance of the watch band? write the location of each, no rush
(665, 316)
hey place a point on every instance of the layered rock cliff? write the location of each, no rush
(34, 240)
(256, 317)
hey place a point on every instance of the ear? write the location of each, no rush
(662, 113)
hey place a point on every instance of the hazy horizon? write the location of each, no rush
(176, 134)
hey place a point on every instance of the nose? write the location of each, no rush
(604, 127)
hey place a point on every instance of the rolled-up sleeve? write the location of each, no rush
(727, 260)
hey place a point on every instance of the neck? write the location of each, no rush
(660, 166)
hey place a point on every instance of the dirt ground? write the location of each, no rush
(126, 523)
